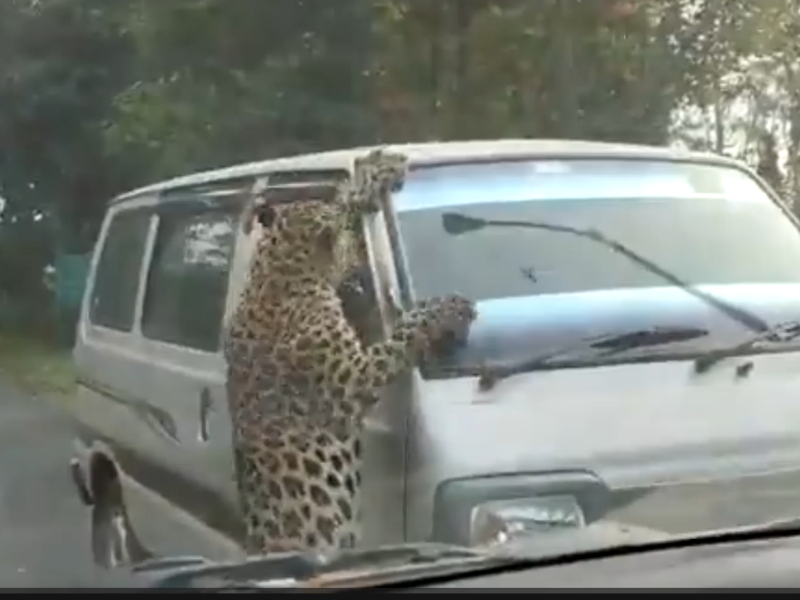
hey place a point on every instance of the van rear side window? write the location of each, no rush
(116, 280)
(188, 280)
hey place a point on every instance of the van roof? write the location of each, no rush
(435, 153)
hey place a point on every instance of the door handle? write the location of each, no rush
(206, 408)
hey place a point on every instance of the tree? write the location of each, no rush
(63, 62)
(97, 97)
(768, 162)
(222, 82)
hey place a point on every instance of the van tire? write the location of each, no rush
(114, 542)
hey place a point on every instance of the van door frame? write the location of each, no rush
(387, 423)
(420, 479)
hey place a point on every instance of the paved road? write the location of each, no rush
(44, 535)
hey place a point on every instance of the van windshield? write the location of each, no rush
(706, 224)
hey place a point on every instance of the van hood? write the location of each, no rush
(697, 451)
(510, 330)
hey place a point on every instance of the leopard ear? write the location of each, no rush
(266, 215)
(257, 209)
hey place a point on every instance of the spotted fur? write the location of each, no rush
(299, 378)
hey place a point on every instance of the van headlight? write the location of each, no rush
(500, 521)
(491, 509)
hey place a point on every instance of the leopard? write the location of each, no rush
(299, 379)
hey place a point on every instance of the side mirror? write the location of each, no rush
(456, 223)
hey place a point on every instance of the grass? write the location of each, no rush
(35, 366)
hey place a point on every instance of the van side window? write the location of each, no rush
(188, 279)
(116, 280)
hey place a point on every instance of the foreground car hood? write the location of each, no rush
(347, 568)
(366, 568)
(392, 564)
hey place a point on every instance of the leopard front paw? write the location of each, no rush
(382, 168)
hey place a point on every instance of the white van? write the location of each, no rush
(625, 364)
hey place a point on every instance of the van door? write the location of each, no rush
(108, 354)
(182, 313)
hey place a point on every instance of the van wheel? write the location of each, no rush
(114, 542)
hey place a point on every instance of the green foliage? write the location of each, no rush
(230, 81)
(98, 96)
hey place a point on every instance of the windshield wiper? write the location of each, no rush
(780, 334)
(306, 569)
(601, 347)
(457, 224)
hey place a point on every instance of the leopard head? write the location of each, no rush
(297, 238)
